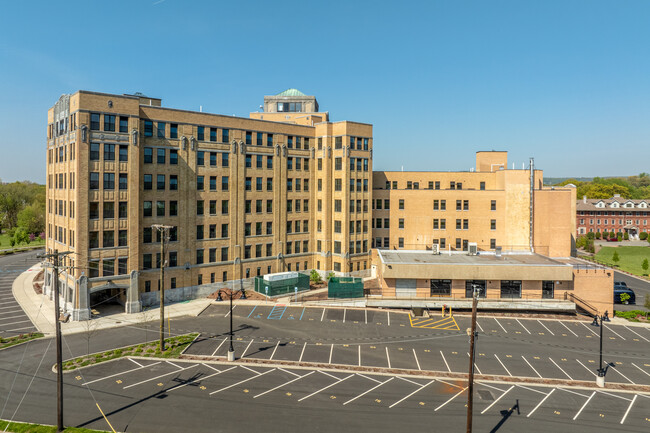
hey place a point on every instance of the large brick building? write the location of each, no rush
(616, 214)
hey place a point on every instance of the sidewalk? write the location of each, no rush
(40, 309)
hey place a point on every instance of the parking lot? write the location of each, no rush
(210, 384)
(13, 320)
(558, 349)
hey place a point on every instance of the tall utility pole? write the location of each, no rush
(55, 256)
(164, 237)
(470, 386)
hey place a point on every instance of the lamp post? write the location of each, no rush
(231, 350)
(600, 379)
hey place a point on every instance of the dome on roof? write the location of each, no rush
(291, 92)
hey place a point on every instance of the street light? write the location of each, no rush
(231, 350)
(600, 379)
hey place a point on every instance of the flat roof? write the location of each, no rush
(423, 257)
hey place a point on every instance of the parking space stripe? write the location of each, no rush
(490, 386)
(408, 380)
(568, 329)
(323, 316)
(415, 355)
(637, 334)
(414, 392)
(303, 312)
(443, 358)
(609, 328)
(628, 408)
(249, 314)
(589, 329)
(573, 392)
(215, 350)
(387, 357)
(242, 381)
(327, 387)
(522, 325)
(645, 372)
(455, 395)
(388, 312)
(529, 364)
(504, 367)
(345, 310)
(614, 395)
(624, 376)
(368, 377)
(366, 392)
(228, 313)
(302, 352)
(250, 369)
(117, 374)
(19, 329)
(331, 352)
(450, 384)
(359, 346)
(327, 374)
(584, 405)
(540, 403)
(171, 363)
(289, 372)
(497, 399)
(135, 362)
(475, 366)
(162, 375)
(504, 329)
(243, 355)
(366, 314)
(276, 348)
(210, 367)
(15, 317)
(199, 378)
(586, 367)
(540, 322)
(284, 384)
(561, 369)
(531, 389)
(479, 326)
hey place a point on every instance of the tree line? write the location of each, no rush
(22, 211)
(631, 187)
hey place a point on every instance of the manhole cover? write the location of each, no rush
(485, 395)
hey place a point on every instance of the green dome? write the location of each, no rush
(291, 92)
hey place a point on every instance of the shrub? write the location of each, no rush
(616, 258)
(605, 235)
(644, 266)
(330, 275)
(314, 276)
(643, 236)
(590, 235)
(626, 236)
(597, 235)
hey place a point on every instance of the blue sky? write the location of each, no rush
(566, 82)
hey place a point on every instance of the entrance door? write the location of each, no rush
(548, 289)
(480, 285)
(405, 288)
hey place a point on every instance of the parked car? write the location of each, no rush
(620, 283)
(619, 290)
(612, 239)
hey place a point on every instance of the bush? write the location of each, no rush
(643, 236)
(590, 235)
(605, 235)
(615, 257)
(314, 276)
(626, 236)
(597, 235)
(612, 234)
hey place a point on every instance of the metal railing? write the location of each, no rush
(589, 308)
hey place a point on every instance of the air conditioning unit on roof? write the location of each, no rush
(435, 248)
(473, 248)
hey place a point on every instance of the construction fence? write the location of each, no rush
(283, 286)
(345, 287)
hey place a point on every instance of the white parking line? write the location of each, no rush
(408, 380)
(414, 392)
(504, 367)
(135, 362)
(540, 403)
(450, 384)
(479, 326)
(289, 372)
(561, 369)
(345, 310)
(19, 329)
(584, 405)
(573, 392)
(17, 321)
(11, 306)
(443, 358)
(522, 325)
(388, 312)
(162, 375)
(490, 386)
(366, 392)
(628, 409)
(368, 377)
(228, 313)
(199, 378)
(567, 328)
(246, 350)
(241, 381)
(117, 374)
(497, 399)
(637, 334)
(327, 387)
(613, 395)
(550, 332)
(251, 370)
(455, 395)
(171, 363)
(210, 367)
(531, 389)
(303, 351)
(215, 350)
(327, 374)
(589, 329)
(609, 328)
(475, 366)
(323, 315)
(366, 311)
(586, 367)
(276, 348)
(626, 378)
(504, 329)
(286, 383)
(331, 351)
(387, 357)
(416, 359)
(529, 364)
(641, 369)
(359, 346)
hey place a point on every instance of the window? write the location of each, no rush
(224, 257)
(146, 235)
(338, 164)
(213, 183)
(400, 242)
(124, 184)
(459, 205)
(249, 162)
(173, 182)
(482, 186)
(224, 183)
(160, 130)
(510, 289)
(108, 239)
(148, 128)
(493, 205)
(258, 184)
(122, 266)
(401, 223)
(224, 207)
(94, 151)
(160, 182)
(493, 224)
(200, 133)
(225, 135)
(213, 134)
(338, 142)
(124, 153)
(94, 121)
(401, 204)
(148, 155)
(160, 208)
(465, 204)
(199, 232)
(173, 208)
(247, 184)
(93, 210)
(493, 244)
(200, 183)
(109, 209)
(338, 184)
(147, 183)
(337, 226)
(173, 130)
(247, 229)
(269, 206)
(109, 180)
(247, 206)
(200, 158)
(269, 228)
(122, 209)
(199, 257)
(224, 230)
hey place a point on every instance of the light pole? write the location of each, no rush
(231, 350)
(600, 379)
(472, 349)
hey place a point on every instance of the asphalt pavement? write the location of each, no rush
(641, 290)
(13, 320)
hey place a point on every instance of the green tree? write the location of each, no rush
(314, 276)
(615, 257)
(644, 266)
(597, 235)
(32, 218)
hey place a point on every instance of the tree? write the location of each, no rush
(615, 257)
(315, 277)
(644, 266)
(597, 235)
(32, 218)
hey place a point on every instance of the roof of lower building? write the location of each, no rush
(423, 257)
(291, 92)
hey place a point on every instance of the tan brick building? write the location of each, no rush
(285, 189)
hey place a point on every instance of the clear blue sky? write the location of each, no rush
(566, 82)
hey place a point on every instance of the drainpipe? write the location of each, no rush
(532, 202)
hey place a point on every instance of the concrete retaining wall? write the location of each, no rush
(192, 292)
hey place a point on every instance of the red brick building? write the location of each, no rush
(615, 214)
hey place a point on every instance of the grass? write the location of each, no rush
(21, 427)
(12, 341)
(633, 315)
(4, 242)
(174, 346)
(631, 258)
